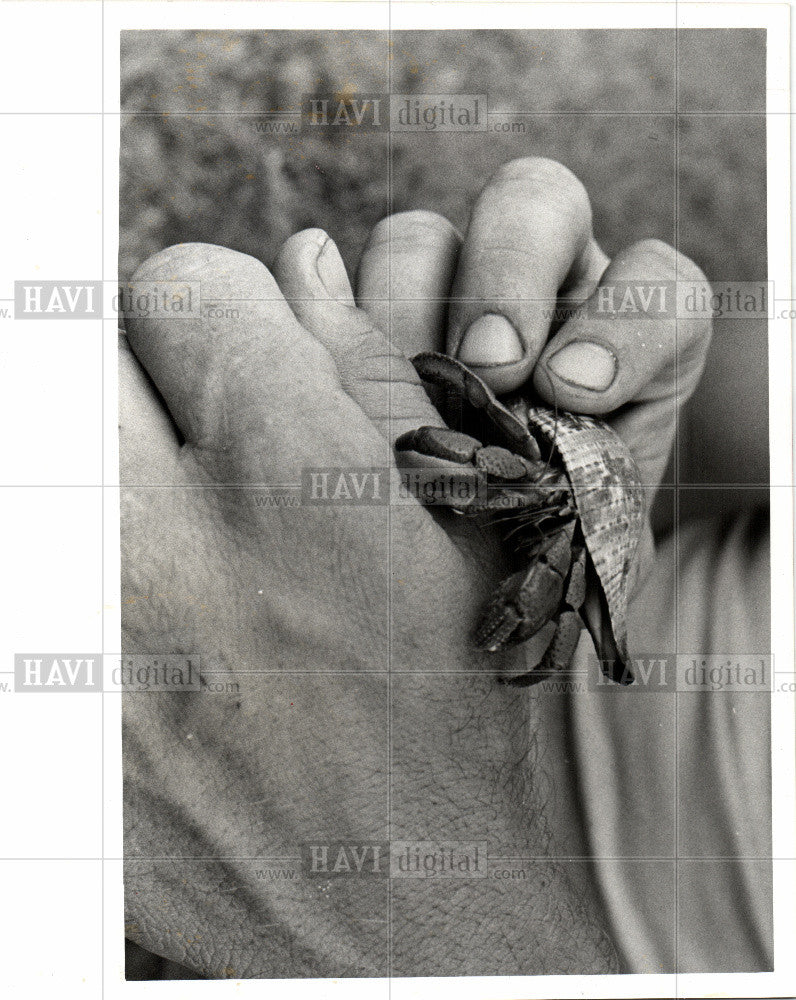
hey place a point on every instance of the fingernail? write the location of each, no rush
(587, 366)
(490, 340)
(331, 270)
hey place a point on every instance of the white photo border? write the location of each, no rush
(404, 15)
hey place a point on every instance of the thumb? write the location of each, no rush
(627, 354)
(312, 277)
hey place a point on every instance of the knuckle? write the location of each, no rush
(540, 172)
(657, 255)
(187, 259)
(370, 347)
(295, 246)
(311, 235)
(653, 262)
(688, 270)
(413, 227)
(664, 260)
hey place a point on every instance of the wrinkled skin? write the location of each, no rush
(305, 609)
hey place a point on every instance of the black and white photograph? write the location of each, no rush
(387, 774)
(440, 500)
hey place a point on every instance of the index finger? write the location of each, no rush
(529, 239)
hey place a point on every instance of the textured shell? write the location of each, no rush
(606, 484)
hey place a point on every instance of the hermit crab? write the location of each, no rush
(568, 491)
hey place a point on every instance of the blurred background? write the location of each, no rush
(666, 130)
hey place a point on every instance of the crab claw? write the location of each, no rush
(439, 369)
(502, 464)
(558, 654)
(439, 442)
(588, 476)
(528, 600)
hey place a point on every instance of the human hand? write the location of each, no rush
(529, 289)
(341, 700)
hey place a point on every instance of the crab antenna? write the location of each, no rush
(555, 432)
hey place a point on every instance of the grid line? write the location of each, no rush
(676, 487)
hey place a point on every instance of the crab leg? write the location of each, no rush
(588, 480)
(439, 369)
(526, 601)
(569, 625)
(526, 484)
